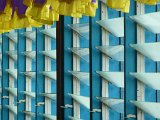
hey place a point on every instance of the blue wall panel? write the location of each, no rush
(21, 68)
(67, 66)
(96, 65)
(130, 59)
(39, 77)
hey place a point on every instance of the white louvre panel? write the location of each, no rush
(114, 104)
(82, 76)
(149, 21)
(29, 74)
(83, 53)
(85, 101)
(113, 52)
(51, 96)
(80, 29)
(149, 50)
(151, 108)
(30, 35)
(114, 26)
(49, 32)
(13, 36)
(12, 109)
(32, 114)
(30, 54)
(116, 78)
(49, 53)
(50, 75)
(49, 116)
(29, 94)
(150, 79)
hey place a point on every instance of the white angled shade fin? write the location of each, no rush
(12, 54)
(74, 118)
(81, 29)
(50, 53)
(51, 32)
(28, 93)
(114, 52)
(29, 74)
(30, 54)
(30, 35)
(12, 108)
(49, 116)
(150, 50)
(82, 76)
(12, 72)
(114, 26)
(151, 108)
(150, 79)
(81, 52)
(116, 78)
(51, 96)
(13, 36)
(49, 74)
(29, 113)
(13, 91)
(149, 21)
(114, 104)
(85, 101)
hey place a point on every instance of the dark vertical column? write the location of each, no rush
(125, 115)
(90, 65)
(60, 67)
(95, 65)
(5, 76)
